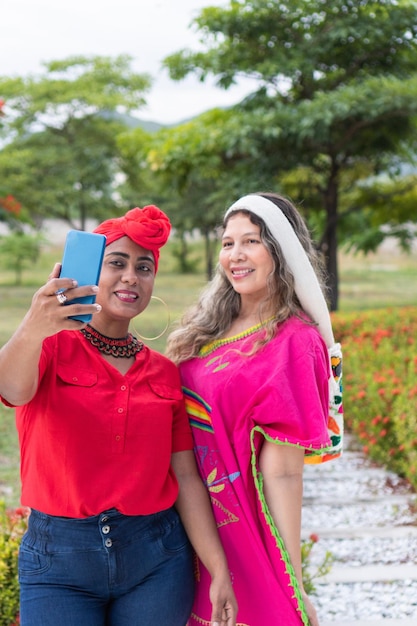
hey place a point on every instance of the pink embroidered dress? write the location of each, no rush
(234, 402)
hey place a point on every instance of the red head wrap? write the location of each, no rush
(148, 227)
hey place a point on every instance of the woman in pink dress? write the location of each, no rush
(255, 357)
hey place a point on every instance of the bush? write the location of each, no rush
(380, 384)
(13, 524)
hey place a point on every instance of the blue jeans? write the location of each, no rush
(106, 570)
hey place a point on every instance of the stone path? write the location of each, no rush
(367, 518)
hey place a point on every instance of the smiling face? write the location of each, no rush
(126, 284)
(245, 259)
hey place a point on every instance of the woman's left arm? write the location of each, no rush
(194, 508)
(282, 470)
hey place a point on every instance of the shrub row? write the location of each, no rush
(380, 384)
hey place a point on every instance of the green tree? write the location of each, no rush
(61, 157)
(10, 208)
(194, 169)
(334, 103)
(19, 250)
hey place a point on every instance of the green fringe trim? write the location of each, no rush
(213, 345)
(258, 479)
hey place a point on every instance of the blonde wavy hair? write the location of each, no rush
(219, 304)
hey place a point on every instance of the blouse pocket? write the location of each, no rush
(168, 392)
(78, 377)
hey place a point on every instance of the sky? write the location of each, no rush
(37, 31)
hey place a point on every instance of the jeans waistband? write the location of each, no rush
(50, 532)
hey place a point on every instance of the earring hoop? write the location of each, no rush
(166, 325)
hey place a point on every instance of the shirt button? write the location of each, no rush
(118, 437)
(74, 379)
(108, 543)
(123, 387)
(106, 530)
(120, 410)
(104, 518)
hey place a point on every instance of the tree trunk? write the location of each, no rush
(209, 254)
(83, 216)
(329, 242)
(183, 254)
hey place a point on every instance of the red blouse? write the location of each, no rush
(93, 439)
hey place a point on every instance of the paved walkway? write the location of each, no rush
(367, 518)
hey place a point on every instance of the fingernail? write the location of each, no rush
(98, 309)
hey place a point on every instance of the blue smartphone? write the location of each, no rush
(82, 261)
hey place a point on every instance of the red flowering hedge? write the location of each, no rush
(380, 384)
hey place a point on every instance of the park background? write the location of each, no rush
(318, 101)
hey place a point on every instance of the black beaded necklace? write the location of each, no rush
(125, 347)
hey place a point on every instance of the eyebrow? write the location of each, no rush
(127, 256)
(250, 233)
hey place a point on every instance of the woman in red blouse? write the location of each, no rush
(107, 464)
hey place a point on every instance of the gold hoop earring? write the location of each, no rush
(166, 325)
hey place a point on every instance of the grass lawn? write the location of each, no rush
(387, 278)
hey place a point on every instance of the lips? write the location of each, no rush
(127, 296)
(241, 273)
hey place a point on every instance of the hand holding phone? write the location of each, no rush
(82, 261)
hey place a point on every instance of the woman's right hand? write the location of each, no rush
(48, 315)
